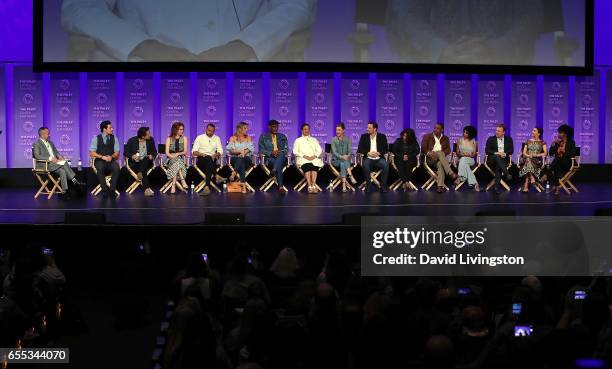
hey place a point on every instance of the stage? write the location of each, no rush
(19, 206)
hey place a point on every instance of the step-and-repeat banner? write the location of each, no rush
(72, 105)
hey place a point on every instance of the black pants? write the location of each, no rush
(369, 165)
(207, 165)
(499, 166)
(143, 167)
(557, 169)
(103, 167)
(405, 168)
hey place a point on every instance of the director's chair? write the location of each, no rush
(455, 159)
(49, 185)
(107, 179)
(566, 181)
(137, 181)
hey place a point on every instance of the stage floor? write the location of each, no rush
(19, 207)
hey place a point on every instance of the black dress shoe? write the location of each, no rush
(104, 194)
(509, 177)
(384, 190)
(497, 190)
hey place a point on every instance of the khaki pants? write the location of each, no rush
(443, 166)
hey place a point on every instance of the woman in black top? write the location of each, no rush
(406, 149)
(562, 150)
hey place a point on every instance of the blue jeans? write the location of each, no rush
(369, 165)
(343, 165)
(240, 165)
(277, 164)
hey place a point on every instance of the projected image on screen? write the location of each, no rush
(474, 32)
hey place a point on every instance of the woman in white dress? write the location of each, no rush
(307, 151)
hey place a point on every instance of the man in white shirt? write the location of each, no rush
(44, 149)
(207, 149)
(187, 30)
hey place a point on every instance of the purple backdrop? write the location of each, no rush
(320, 105)
(555, 105)
(390, 104)
(457, 105)
(586, 123)
(424, 103)
(491, 92)
(523, 108)
(27, 115)
(137, 104)
(355, 105)
(175, 103)
(284, 103)
(64, 123)
(101, 106)
(248, 102)
(608, 121)
(212, 104)
(3, 135)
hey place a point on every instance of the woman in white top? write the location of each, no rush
(307, 151)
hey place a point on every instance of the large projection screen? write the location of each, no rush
(531, 36)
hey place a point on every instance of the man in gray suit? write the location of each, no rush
(44, 149)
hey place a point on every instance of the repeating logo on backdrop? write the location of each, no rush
(524, 99)
(175, 97)
(458, 98)
(355, 111)
(64, 85)
(283, 84)
(355, 137)
(556, 86)
(64, 111)
(524, 124)
(211, 110)
(423, 110)
(28, 99)
(138, 111)
(28, 126)
(65, 140)
(27, 154)
(587, 124)
(355, 84)
(457, 125)
(491, 111)
(319, 98)
(587, 99)
(319, 124)
(390, 98)
(247, 97)
(283, 111)
(424, 84)
(389, 125)
(138, 84)
(556, 111)
(586, 150)
(101, 98)
(211, 83)
(491, 86)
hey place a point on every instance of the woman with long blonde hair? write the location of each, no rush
(240, 148)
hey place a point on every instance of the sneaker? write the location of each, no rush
(149, 192)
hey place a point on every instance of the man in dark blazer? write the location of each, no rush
(44, 149)
(499, 149)
(141, 151)
(373, 146)
(436, 147)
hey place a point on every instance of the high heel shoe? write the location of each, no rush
(243, 188)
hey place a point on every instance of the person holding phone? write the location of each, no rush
(240, 148)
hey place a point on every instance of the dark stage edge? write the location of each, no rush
(17, 206)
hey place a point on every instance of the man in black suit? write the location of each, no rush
(141, 151)
(373, 146)
(499, 149)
